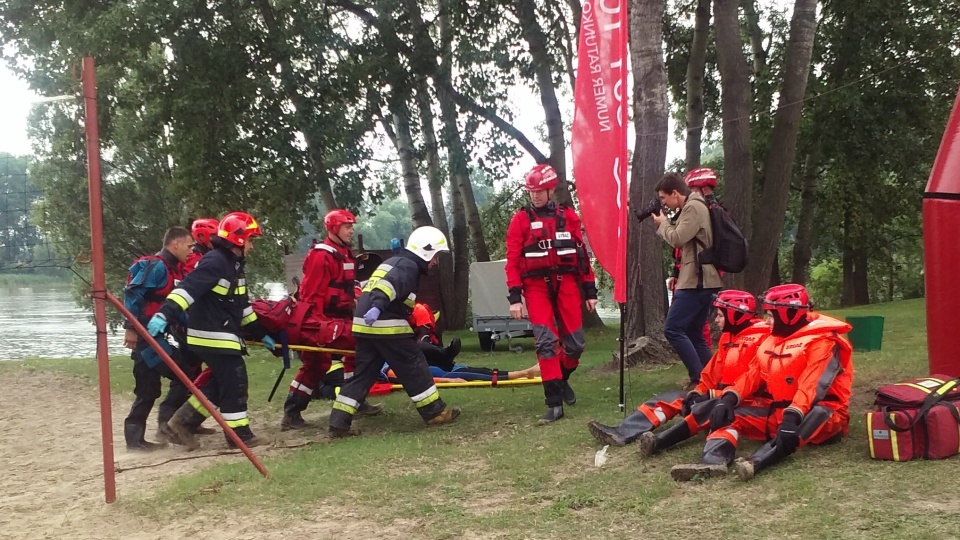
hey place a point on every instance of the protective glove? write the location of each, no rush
(788, 439)
(268, 343)
(157, 324)
(722, 414)
(371, 315)
(692, 399)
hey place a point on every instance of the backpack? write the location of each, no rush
(729, 250)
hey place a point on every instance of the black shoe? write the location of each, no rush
(453, 349)
(293, 421)
(552, 415)
(568, 396)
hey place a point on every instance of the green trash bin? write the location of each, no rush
(867, 333)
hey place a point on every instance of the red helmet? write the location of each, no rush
(738, 306)
(786, 297)
(541, 177)
(335, 218)
(237, 227)
(702, 177)
(203, 230)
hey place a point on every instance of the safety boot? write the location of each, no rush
(183, 424)
(251, 442)
(453, 349)
(367, 409)
(293, 421)
(689, 471)
(164, 433)
(625, 433)
(566, 391)
(651, 443)
(765, 456)
(445, 417)
(200, 430)
(342, 433)
(133, 433)
(552, 415)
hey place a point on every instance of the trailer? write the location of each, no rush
(491, 309)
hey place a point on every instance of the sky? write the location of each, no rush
(17, 100)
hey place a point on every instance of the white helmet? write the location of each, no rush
(426, 242)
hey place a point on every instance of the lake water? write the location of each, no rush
(44, 322)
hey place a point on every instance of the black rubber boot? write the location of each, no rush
(133, 433)
(184, 424)
(765, 456)
(715, 461)
(552, 415)
(651, 443)
(451, 351)
(628, 431)
(295, 404)
(566, 391)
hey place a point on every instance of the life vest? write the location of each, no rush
(424, 323)
(341, 287)
(783, 361)
(137, 275)
(549, 248)
(737, 351)
(197, 251)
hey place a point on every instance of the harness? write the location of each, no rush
(345, 282)
(563, 245)
(153, 298)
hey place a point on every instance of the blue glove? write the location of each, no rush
(371, 315)
(268, 343)
(157, 324)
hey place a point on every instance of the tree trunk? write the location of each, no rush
(803, 245)
(756, 37)
(775, 275)
(403, 141)
(735, 106)
(696, 67)
(454, 278)
(861, 283)
(645, 299)
(783, 143)
(432, 155)
(536, 40)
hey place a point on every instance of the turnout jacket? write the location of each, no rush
(814, 365)
(215, 293)
(393, 288)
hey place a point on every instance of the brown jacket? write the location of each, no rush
(692, 224)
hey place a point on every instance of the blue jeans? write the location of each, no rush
(684, 327)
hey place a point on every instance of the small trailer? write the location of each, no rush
(491, 309)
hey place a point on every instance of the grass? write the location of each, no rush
(496, 474)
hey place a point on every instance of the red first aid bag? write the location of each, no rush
(916, 419)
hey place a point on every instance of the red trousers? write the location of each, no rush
(316, 365)
(752, 422)
(554, 310)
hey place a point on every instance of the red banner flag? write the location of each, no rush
(599, 135)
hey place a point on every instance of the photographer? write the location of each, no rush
(697, 283)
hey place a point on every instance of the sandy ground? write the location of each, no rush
(53, 486)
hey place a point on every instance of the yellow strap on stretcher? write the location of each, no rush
(309, 348)
(470, 384)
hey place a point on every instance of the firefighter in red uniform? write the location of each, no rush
(805, 371)
(149, 281)
(215, 293)
(548, 264)
(742, 334)
(328, 284)
(203, 231)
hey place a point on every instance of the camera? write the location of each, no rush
(653, 207)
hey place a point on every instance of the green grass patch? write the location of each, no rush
(495, 473)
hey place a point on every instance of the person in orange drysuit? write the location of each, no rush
(742, 334)
(328, 284)
(548, 264)
(805, 371)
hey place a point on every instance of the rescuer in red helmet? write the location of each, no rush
(203, 230)
(742, 334)
(215, 294)
(329, 279)
(548, 264)
(804, 369)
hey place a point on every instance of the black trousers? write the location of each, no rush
(148, 386)
(407, 361)
(227, 389)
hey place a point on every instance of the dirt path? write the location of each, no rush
(53, 486)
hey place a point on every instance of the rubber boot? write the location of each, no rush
(448, 415)
(341, 433)
(553, 392)
(765, 456)
(200, 430)
(295, 404)
(251, 441)
(133, 433)
(715, 461)
(651, 443)
(552, 415)
(451, 351)
(628, 431)
(164, 433)
(184, 423)
(566, 391)
(368, 409)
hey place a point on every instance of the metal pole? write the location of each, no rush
(623, 359)
(99, 280)
(187, 382)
